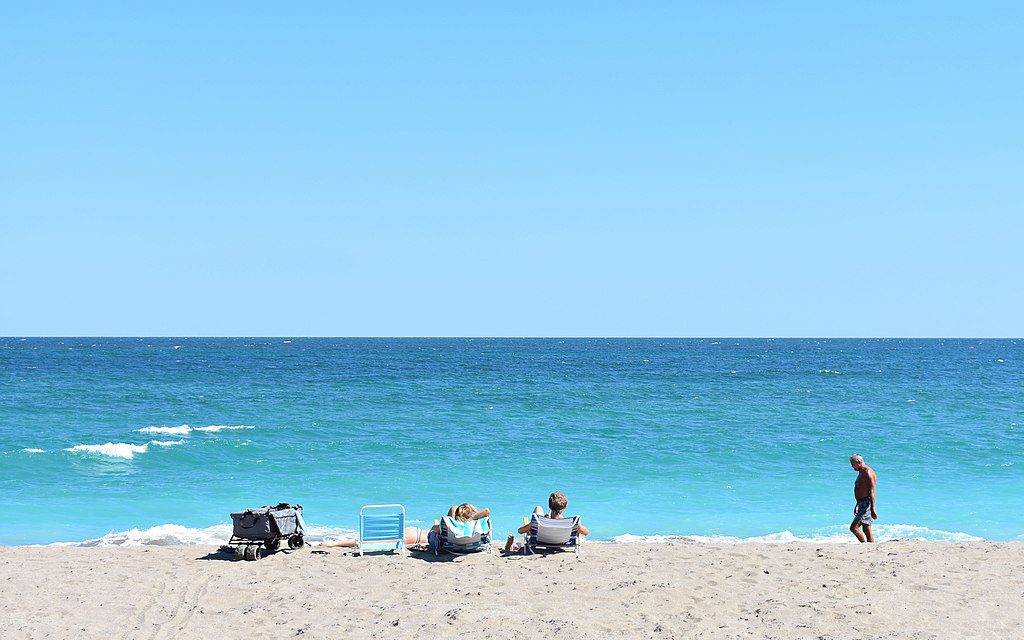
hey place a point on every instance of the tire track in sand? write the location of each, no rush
(184, 609)
(137, 624)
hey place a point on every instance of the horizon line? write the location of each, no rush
(506, 337)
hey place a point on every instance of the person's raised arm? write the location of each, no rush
(483, 513)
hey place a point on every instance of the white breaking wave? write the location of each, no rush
(221, 427)
(167, 535)
(914, 532)
(883, 533)
(31, 450)
(166, 443)
(111, 449)
(183, 430)
(160, 535)
(178, 535)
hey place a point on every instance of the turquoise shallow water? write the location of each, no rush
(650, 437)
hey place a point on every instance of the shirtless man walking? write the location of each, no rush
(864, 491)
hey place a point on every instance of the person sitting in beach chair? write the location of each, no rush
(552, 529)
(416, 535)
(464, 530)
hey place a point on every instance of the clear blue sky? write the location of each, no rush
(671, 169)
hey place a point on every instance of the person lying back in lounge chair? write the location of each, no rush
(557, 503)
(465, 512)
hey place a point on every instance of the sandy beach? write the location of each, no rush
(687, 590)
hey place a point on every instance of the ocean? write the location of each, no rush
(157, 440)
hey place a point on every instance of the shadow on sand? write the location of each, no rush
(227, 553)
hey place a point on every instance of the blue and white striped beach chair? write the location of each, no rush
(382, 526)
(462, 538)
(550, 534)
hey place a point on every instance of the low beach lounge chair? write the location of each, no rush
(462, 538)
(382, 526)
(552, 534)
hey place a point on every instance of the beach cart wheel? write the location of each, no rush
(295, 542)
(250, 552)
(239, 553)
(272, 545)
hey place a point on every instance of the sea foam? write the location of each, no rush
(173, 431)
(184, 429)
(31, 450)
(883, 533)
(178, 535)
(111, 449)
(160, 535)
(167, 535)
(220, 427)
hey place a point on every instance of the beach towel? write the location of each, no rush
(458, 538)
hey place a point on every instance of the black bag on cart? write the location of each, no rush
(266, 523)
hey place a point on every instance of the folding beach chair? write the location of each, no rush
(382, 526)
(550, 534)
(462, 538)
